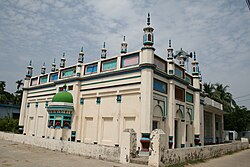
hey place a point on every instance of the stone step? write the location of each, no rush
(139, 160)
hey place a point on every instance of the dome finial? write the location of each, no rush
(169, 44)
(148, 19)
(194, 56)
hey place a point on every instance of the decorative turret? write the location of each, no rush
(53, 69)
(181, 59)
(195, 66)
(148, 37)
(124, 46)
(104, 52)
(81, 56)
(43, 69)
(200, 76)
(170, 51)
(29, 70)
(63, 60)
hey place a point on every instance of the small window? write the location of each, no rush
(130, 60)
(189, 97)
(54, 77)
(160, 64)
(160, 86)
(61, 89)
(43, 79)
(33, 81)
(149, 37)
(179, 72)
(51, 123)
(70, 87)
(89, 69)
(109, 65)
(69, 72)
(179, 93)
(57, 123)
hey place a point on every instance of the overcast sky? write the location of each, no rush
(218, 30)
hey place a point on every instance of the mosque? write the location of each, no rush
(95, 102)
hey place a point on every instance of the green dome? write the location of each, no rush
(63, 97)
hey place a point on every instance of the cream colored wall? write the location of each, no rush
(104, 122)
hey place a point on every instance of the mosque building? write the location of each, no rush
(95, 102)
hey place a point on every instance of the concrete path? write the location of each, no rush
(239, 159)
(20, 155)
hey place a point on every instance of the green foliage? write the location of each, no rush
(10, 98)
(9, 125)
(236, 118)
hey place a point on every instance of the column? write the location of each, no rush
(222, 128)
(23, 113)
(213, 127)
(117, 120)
(171, 114)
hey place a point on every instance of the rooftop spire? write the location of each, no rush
(29, 70)
(124, 46)
(81, 56)
(62, 64)
(43, 69)
(104, 52)
(170, 51)
(148, 36)
(148, 19)
(53, 69)
(195, 66)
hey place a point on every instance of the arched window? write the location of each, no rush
(149, 37)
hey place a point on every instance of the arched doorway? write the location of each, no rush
(177, 128)
(157, 118)
(189, 130)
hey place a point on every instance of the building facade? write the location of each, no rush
(94, 102)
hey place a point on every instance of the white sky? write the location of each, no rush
(218, 30)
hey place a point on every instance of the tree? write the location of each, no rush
(209, 89)
(19, 84)
(2, 86)
(237, 120)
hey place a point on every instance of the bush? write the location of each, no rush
(9, 125)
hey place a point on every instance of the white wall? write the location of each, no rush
(90, 150)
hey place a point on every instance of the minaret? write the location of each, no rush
(23, 111)
(197, 105)
(63, 60)
(148, 37)
(43, 69)
(80, 63)
(81, 56)
(29, 70)
(147, 71)
(104, 52)
(170, 51)
(53, 69)
(182, 62)
(195, 66)
(124, 46)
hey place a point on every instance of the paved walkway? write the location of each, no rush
(239, 159)
(20, 155)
